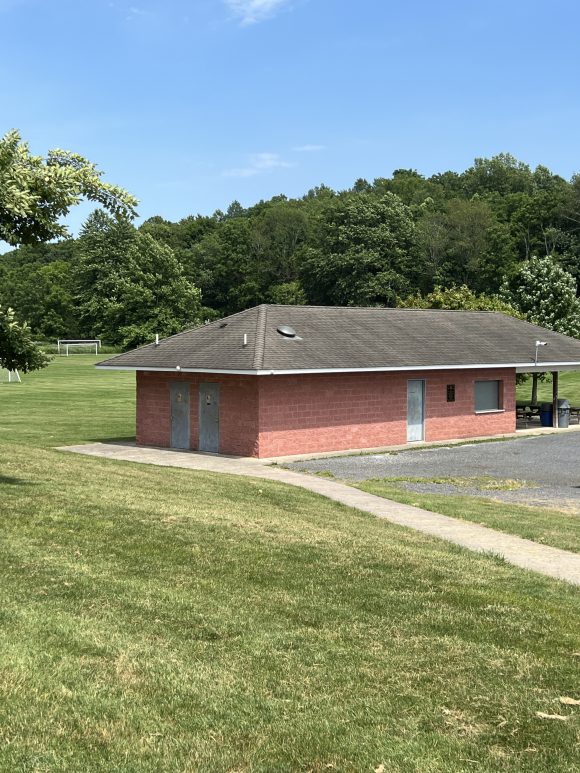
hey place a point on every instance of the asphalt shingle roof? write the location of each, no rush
(354, 338)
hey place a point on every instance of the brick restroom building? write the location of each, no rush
(281, 380)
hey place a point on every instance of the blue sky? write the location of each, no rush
(190, 105)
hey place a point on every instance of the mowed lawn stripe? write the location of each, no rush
(70, 401)
(163, 619)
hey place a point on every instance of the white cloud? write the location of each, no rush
(253, 11)
(259, 163)
(135, 12)
(309, 148)
(246, 171)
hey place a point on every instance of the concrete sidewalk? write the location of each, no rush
(524, 553)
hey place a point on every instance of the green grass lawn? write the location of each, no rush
(568, 388)
(548, 527)
(70, 402)
(156, 619)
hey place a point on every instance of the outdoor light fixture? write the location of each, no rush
(538, 344)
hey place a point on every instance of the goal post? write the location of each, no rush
(9, 376)
(64, 345)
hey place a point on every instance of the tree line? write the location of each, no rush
(498, 235)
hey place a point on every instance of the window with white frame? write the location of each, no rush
(487, 396)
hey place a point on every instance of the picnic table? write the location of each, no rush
(526, 411)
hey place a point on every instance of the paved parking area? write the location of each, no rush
(549, 464)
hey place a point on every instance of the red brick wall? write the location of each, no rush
(446, 421)
(282, 415)
(333, 412)
(153, 410)
(238, 410)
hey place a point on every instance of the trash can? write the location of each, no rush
(546, 414)
(563, 414)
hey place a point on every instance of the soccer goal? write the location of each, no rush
(80, 345)
(9, 376)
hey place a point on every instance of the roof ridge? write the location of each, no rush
(375, 308)
(260, 344)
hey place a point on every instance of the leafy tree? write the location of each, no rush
(546, 294)
(362, 186)
(432, 235)
(162, 230)
(277, 236)
(536, 218)
(130, 286)
(398, 236)
(501, 174)
(36, 192)
(287, 293)
(235, 210)
(37, 282)
(410, 186)
(182, 237)
(469, 223)
(366, 252)
(462, 242)
(458, 298)
(224, 262)
(17, 349)
(451, 183)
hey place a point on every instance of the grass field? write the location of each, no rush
(568, 388)
(69, 402)
(156, 619)
(548, 527)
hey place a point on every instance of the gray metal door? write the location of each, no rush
(415, 410)
(209, 418)
(179, 414)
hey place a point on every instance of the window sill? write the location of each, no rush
(492, 410)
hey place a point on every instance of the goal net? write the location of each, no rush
(68, 346)
(9, 376)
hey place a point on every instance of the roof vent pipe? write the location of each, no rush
(245, 339)
(538, 344)
(156, 339)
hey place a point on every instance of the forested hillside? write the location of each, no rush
(377, 243)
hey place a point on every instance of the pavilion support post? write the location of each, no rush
(555, 399)
(535, 389)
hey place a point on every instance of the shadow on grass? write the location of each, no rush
(120, 441)
(9, 481)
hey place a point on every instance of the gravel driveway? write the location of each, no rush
(549, 464)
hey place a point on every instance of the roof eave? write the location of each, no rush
(520, 367)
